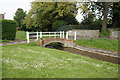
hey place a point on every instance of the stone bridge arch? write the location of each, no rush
(53, 42)
(67, 43)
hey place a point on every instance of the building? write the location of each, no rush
(1, 16)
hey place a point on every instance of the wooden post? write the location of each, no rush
(27, 33)
(49, 34)
(37, 35)
(40, 34)
(60, 34)
(75, 36)
(67, 35)
(54, 34)
(63, 34)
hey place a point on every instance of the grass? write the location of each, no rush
(105, 33)
(21, 35)
(106, 44)
(31, 61)
(4, 41)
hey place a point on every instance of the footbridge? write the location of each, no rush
(60, 37)
(66, 42)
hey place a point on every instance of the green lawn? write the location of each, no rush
(4, 41)
(21, 35)
(106, 44)
(30, 61)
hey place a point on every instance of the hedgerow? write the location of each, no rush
(8, 29)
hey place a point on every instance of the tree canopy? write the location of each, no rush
(19, 16)
(109, 13)
(43, 14)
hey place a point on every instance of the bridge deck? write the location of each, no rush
(50, 39)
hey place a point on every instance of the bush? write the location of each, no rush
(57, 24)
(65, 28)
(70, 27)
(8, 29)
(95, 25)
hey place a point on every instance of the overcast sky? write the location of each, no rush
(10, 6)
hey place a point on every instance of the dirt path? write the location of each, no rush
(9, 43)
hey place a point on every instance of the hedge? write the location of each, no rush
(70, 27)
(8, 29)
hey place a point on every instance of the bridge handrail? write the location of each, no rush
(38, 35)
(50, 32)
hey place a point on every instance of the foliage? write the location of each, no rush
(90, 22)
(95, 25)
(4, 41)
(115, 14)
(41, 16)
(8, 29)
(113, 29)
(57, 24)
(88, 19)
(30, 61)
(97, 8)
(65, 28)
(19, 16)
(106, 44)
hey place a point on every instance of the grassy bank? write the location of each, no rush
(30, 61)
(21, 35)
(106, 44)
(4, 41)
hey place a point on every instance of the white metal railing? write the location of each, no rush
(38, 35)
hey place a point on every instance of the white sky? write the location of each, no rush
(10, 6)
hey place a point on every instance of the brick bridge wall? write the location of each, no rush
(67, 43)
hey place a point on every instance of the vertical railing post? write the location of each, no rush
(60, 34)
(37, 35)
(49, 34)
(67, 35)
(27, 37)
(63, 34)
(54, 34)
(75, 36)
(40, 34)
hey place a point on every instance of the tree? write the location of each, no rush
(88, 19)
(19, 16)
(104, 24)
(108, 12)
(41, 16)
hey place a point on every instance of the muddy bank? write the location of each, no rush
(99, 56)
(92, 55)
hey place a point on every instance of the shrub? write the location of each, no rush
(65, 28)
(70, 27)
(57, 24)
(8, 29)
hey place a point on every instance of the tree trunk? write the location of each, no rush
(104, 24)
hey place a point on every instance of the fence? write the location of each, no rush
(40, 35)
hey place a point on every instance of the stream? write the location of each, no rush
(59, 46)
